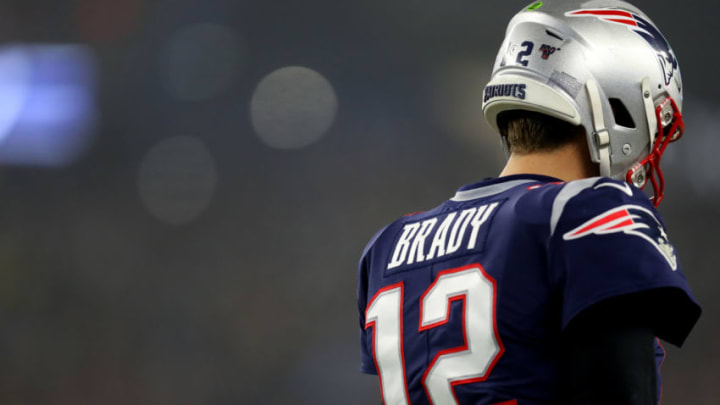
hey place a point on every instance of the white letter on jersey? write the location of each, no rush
(465, 364)
(384, 315)
(483, 212)
(403, 245)
(419, 241)
(458, 230)
(440, 239)
(461, 365)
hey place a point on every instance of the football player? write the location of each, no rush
(552, 283)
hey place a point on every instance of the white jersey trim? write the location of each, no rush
(569, 191)
(487, 191)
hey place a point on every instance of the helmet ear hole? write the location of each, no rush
(621, 113)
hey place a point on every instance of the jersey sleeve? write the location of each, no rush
(367, 364)
(606, 241)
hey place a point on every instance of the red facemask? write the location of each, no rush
(670, 133)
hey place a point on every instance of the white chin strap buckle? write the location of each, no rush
(600, 133)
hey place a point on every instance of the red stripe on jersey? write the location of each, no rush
(413, 213)
(626, 222)
(602, 221)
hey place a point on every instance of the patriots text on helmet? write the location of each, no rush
(505, 90)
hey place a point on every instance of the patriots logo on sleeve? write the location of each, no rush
(632, 220)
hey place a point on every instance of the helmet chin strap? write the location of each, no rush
(601, 136)
(505, 146)
(638, 175)
(649, 109)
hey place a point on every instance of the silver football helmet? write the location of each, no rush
(602, 64)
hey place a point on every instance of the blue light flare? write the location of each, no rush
(47, 104)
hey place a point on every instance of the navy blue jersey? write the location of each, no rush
(466, 303)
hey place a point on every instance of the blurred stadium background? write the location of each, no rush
(187, 186)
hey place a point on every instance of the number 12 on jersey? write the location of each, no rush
(465, 364)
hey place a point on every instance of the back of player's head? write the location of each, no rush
(601, 65)
(527, 132)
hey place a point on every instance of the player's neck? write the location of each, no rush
(571, 162)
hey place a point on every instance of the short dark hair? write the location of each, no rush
(529, 131)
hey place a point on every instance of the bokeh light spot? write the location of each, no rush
(293, 107)
(177, 179)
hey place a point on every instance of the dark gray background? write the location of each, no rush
(105, 301)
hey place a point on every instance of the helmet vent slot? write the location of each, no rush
(621, 113)
(554, 35)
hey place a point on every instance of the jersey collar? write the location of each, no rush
(492, 186)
